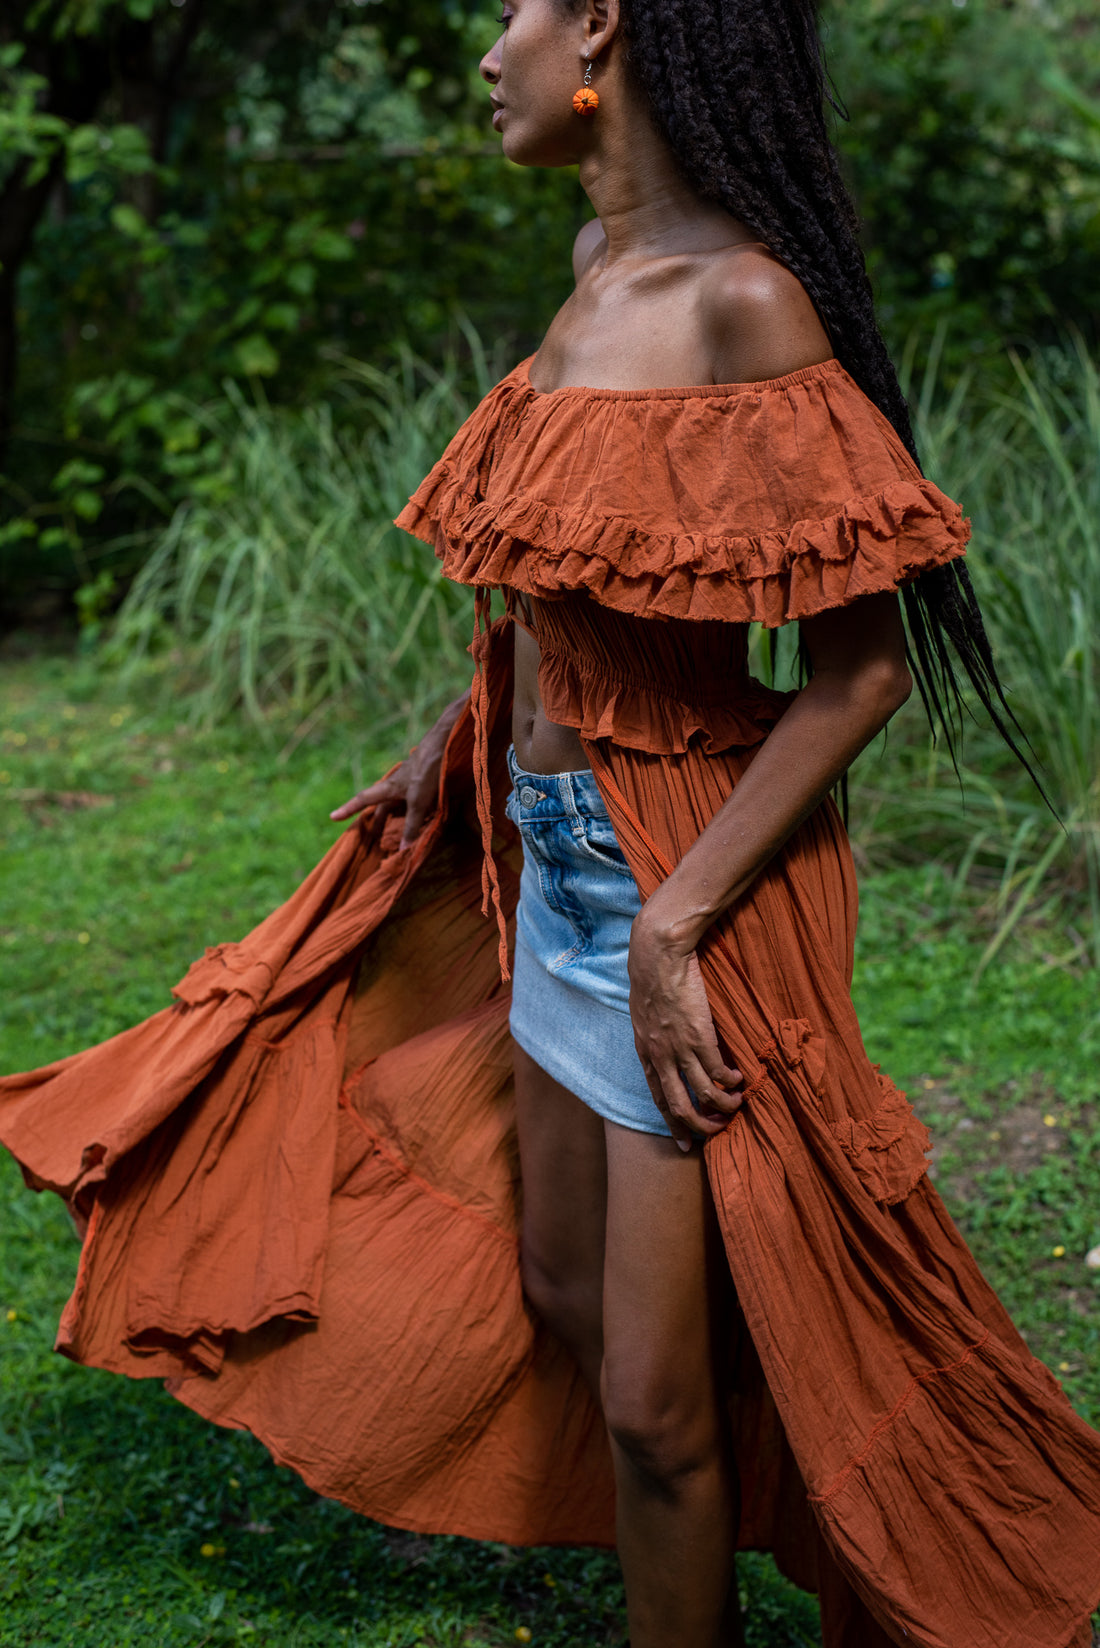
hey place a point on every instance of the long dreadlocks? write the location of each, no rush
(738, 87)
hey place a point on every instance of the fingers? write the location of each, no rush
(721, 1085)
(402, 790)
(697, 1099)
(419, 804)
(683, 1096)
(385, 790)
(373, 827)
(693, 1086)
(681, 1132)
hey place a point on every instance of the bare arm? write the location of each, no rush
(759, 323)
(860, 679)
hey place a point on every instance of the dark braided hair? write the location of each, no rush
(738, 87)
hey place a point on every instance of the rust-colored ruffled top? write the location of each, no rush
(707, 507)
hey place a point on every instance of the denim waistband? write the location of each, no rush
(551, 797)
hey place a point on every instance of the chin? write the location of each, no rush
(526, 144)
(531, 149)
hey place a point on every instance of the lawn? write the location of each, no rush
(127, 842)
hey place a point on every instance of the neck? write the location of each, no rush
(644, 203)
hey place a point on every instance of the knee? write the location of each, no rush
(569, 1305)
(664, 1435)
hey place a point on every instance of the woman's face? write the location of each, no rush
(534, 69)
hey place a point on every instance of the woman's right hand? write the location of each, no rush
(411, 788)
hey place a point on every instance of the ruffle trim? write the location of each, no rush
(642, 717)
(887, 1150)
(888, 1420)
(869, 546)
(224, 970)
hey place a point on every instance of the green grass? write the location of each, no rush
(110, 1493)
(128, 843)
(282, 582)
(1003, 1068)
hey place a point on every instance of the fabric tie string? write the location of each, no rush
(479, 706)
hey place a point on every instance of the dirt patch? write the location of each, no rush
(1024, 1132)
(410, 1550)
(1026, 1128)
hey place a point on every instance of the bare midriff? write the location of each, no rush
(541, 745)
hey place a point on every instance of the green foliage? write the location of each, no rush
(78, 19)
(323, 180)
(335, 195)
(31, 134)
(1041, 588)
(974, 155)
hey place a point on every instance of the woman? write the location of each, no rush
(683, 156)
(620, 1250)
(685, 453)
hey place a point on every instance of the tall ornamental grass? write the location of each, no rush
(282, 585)
(1025, 462)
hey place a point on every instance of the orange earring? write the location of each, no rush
(586, 101)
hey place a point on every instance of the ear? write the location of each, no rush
(601, 25)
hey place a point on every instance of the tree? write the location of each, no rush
(66, 63)
(974, 154)
(299, 180)
(193, 191)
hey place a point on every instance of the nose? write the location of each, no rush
(489, 67)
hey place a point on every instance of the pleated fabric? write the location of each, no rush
(748, 502)
(300, 1182)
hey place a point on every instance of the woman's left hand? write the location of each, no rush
(675, 1036)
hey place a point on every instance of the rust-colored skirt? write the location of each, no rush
(301, 1192)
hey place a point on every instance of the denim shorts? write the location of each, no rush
(570, 991)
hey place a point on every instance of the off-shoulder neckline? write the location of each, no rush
(694, 391)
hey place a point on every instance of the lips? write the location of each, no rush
(498, 114)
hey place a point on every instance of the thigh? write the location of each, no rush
(668, 1295)
(563, 1163)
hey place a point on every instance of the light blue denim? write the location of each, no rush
(570, 991)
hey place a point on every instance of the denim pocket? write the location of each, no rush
(599, 842)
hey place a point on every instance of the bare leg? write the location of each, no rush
(564, 1165)
(619, 1236)
(666, 1298)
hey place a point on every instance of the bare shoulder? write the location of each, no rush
(758, 318)
(589, 239)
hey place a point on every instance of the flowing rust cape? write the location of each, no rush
(300, 1182)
